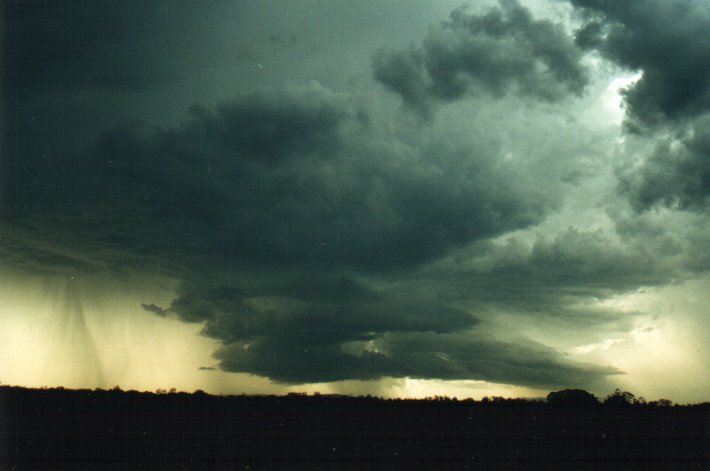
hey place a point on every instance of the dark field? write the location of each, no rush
(115, 430)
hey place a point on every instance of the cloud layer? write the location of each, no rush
(504, 50)
(677, 173)
(664, 39)
(272, 208)
(320, 237)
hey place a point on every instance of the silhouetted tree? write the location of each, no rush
(66, 429)
(620, 398)
(661, 403)
(573, 397)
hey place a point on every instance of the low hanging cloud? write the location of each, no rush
(318, 242)
(559, 280)
(504, 50)
(288, 220)
(415, 355)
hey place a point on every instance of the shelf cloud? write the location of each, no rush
(316, 229)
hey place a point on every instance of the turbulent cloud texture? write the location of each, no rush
(665, 40)
(320, 236)
(677, 174)
(280, 180)
(504, 50)
(298, 188)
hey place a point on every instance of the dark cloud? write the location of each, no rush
(665, 39)
(155, 309)
(416, 355)
(339, 329)
(315, 240)
(558, 283)
(231, 317)
(587, 261)
(676, 175)
(572, 261)
(274, 211)
(75, 68)
(504, 50)
(80, 43)
(276, 180)
(47, 247)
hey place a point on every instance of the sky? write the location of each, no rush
(399, 198)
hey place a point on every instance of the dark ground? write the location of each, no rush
(55, 429)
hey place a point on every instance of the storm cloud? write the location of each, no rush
(316, 233)
(240, 202)
(664, 42)
(83, 43)
(417, 355)
(662, 39)
(253, 181)
(504, 50)
(676, 175)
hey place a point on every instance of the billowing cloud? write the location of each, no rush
(504, 50)
(279, 180)
(676, 175)
(274, 211)
(314, 232)
(664, 40)
(415, 355)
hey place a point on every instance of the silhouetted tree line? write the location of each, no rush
(62, 429)
(617, 398)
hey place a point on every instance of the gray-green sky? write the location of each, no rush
(394, 197)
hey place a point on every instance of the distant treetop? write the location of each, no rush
(575, 397)
(620, 398)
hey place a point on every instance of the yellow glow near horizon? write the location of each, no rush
(80, 333)
(83, 333)
(420, 388)
(665, 355)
